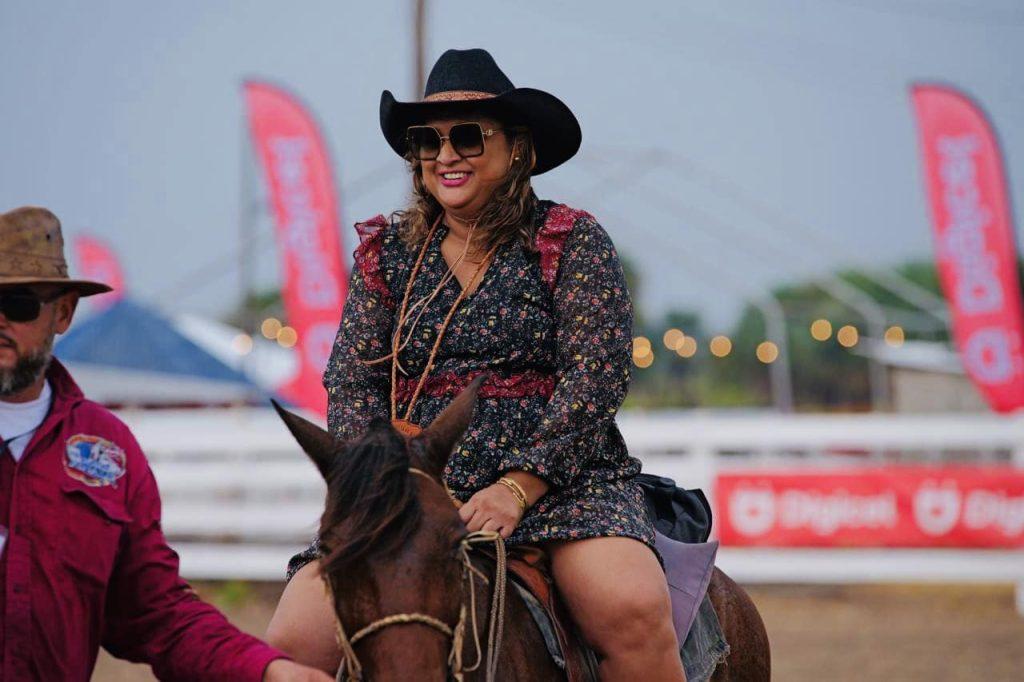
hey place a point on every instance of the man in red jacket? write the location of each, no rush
(83, 560)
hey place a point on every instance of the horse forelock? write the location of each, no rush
(372, 506)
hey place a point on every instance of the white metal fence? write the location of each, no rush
(240, 497)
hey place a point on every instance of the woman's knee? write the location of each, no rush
(636, 618)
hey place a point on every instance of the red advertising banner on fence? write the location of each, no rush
(883, 507)
(298, 171)
(95, 260)
(975, 248)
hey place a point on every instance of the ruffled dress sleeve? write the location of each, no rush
(357, 392)
(594, 319)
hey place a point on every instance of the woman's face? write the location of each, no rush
(463, 185)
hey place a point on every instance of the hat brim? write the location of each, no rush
(556, 132)
(82, 286)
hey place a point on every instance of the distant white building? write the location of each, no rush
(925, 376)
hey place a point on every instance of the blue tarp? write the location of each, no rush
(130, 336)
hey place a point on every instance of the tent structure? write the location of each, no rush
(130, 355)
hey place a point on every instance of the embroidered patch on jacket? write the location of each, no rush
(93, 460)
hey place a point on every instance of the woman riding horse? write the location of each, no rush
(480, 277)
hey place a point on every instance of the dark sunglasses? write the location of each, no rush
(467, 139)
(23, 306)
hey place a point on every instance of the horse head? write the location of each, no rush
(392, 539)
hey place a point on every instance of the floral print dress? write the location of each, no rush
(553, 332)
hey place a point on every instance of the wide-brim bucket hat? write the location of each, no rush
(32, 252)
(470, 80)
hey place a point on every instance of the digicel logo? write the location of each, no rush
(973, 507)
(937, 507)
(752, 510)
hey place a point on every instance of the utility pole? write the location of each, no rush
(246, 229)
(419, 50)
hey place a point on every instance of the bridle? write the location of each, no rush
(351, 670)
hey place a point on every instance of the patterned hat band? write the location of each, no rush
(458, 96)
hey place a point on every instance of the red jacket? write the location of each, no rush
(86, 563)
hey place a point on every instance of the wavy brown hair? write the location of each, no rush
(507, 216)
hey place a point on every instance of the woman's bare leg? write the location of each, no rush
(304, 624)
(616, 591)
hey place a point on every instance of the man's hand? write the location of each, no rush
(283, 670)
(493, 508)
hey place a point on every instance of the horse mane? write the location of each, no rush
(372, 506)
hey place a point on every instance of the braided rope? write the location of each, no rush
(405, 313)
(496, 621)
(440, 335)
(401, 619)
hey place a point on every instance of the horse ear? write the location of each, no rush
(315, 442)
(438, 439)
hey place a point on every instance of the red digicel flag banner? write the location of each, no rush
(298, 172)
(96, 261)
(882, 507)
(975, 247)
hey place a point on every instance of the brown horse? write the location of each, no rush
(412, 598)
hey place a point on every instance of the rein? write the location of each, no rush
(351, 670)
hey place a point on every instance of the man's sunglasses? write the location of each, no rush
(23, 306)
(467, 139)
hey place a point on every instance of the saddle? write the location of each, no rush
(682, 519)
(531, 576)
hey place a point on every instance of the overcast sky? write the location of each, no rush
(699, 119)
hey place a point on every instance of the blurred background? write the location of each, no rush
(814, 202)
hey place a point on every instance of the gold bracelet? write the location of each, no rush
(517, 487)
(517, 490)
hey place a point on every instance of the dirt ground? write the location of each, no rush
(896, 632)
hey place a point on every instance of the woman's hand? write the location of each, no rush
(493, 508)
(497, 508)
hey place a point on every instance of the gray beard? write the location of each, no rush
(27, 370)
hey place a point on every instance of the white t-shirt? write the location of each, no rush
(20, 420)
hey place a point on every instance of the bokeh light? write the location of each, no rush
(287, 337)
(644, 361)
(270, 327)
(687, 348)
(720, 346)
(821, 330)
(673, 338)
(767, 352)
(847, 336)
(894, 336)
(242, 344)
(641, 346)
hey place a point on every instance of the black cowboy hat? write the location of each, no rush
(470, 80)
